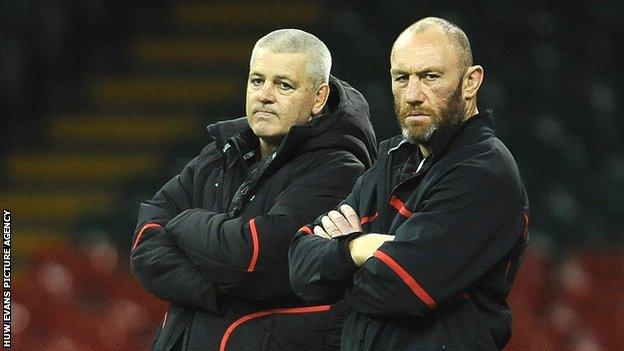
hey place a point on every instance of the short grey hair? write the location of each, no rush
(456, 36)
(288, 41)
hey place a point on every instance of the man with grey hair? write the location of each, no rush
(291, 41)
(214, 240)
(426, 246)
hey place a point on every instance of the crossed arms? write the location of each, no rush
(346, 222)
(467, 226)
(191, 256)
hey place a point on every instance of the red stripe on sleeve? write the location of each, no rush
(400, 206)
(407, 278)
(306, 230)
(526, 225)
(256, 245)
(368, 219)
(142, 231)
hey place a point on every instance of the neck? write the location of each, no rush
(266, 148)
(470, 110)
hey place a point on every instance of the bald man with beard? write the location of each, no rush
(425, 248)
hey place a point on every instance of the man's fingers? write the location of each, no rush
(318, 230)
(351, 216)
(329, 226)
(341, 222)
(335, 224)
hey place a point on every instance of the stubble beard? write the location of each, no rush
(422, 138)
(452, 114)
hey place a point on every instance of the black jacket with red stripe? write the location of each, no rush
(460, 226)
(214, 240)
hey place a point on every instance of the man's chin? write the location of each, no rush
(268, 134)
(262, 131)
(418, 137)
(264, 127)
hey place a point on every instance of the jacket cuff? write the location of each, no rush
(337, 262)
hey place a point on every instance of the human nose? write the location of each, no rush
(266, 93)
(414, 93)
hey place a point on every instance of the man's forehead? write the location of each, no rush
(431, 44)
(291, 65)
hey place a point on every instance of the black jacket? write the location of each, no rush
(460, 226)
(214, 240)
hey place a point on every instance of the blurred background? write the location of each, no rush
(103, 101)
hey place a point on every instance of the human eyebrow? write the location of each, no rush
(287, 80)
(397, 71)
(431, 69)
(430, 74)
(399, 75)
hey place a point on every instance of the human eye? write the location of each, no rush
(255, 81)
(431, 76)
(285, 86)
(401, 78)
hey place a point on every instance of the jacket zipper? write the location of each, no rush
(387, 204)
(388, 170)
(364, 328)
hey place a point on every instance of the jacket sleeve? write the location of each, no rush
(470, 221)
(248, 257)
(157, 262)
(320, 268)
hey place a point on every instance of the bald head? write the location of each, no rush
(455, 35)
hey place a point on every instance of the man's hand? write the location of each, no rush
(346, 222)
(362, 248)
(336, 224)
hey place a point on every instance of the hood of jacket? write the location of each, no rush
(345, 125)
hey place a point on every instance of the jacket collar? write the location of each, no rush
(224, 130)
(447, 137)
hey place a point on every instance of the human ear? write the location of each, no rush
(320, 99)
(472, 81)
